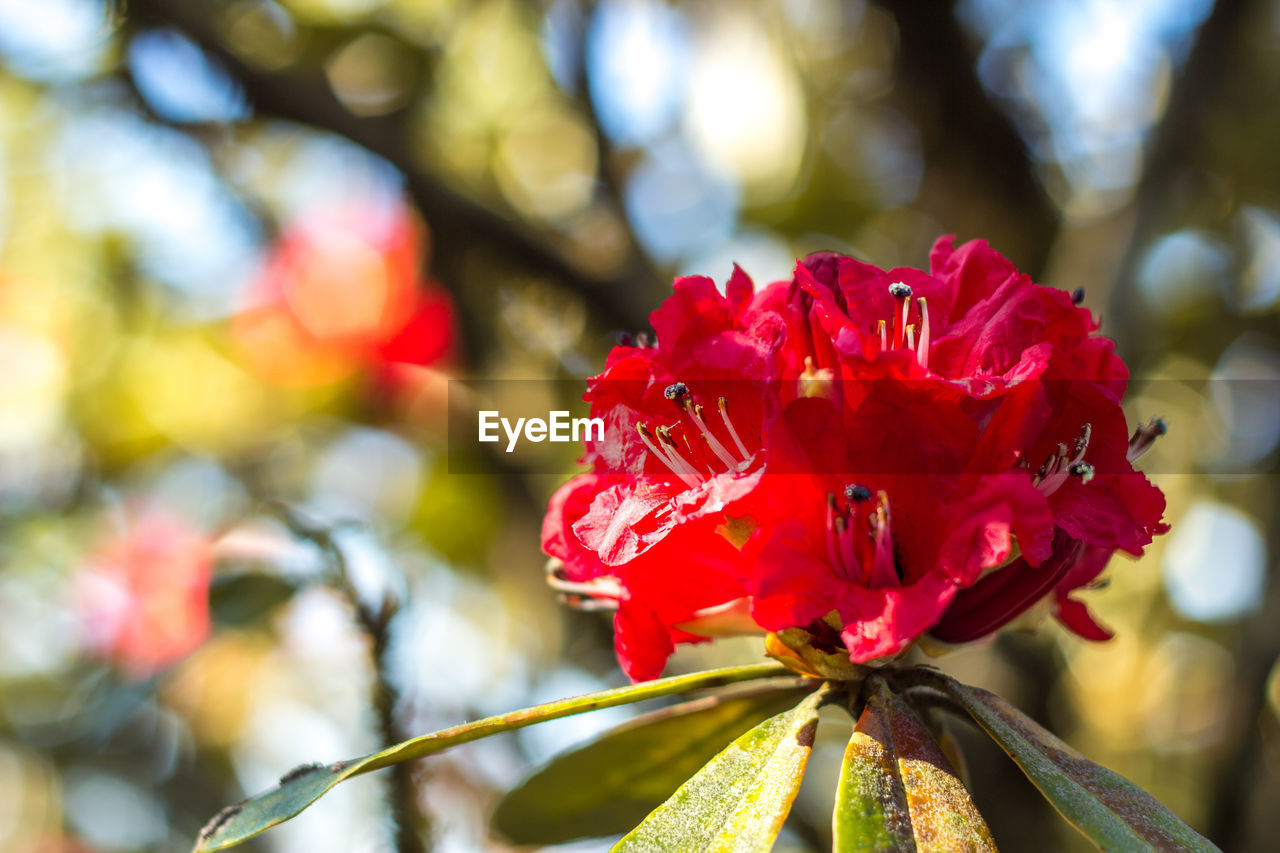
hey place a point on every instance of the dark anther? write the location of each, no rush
(1083, 470)
(626, 339)
(677, 391)
(857, 493)
(1044, 468)
(1077, 296)
(1145, 436)
(899, 290)
(1082, 440)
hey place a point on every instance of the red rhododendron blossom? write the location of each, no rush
(143, 595)
(342, 288)
(864, 454)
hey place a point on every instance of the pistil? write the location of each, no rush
(915, 336)
(901, 292)
(845, 532)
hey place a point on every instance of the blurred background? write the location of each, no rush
(244, 246)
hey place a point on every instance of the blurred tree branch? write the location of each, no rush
(969, 136)
(1176, 141)
(412, 826)
(1174, 155)
(304, 96)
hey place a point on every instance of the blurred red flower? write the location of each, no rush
(343, 289)
(857, 451)
(143, 595)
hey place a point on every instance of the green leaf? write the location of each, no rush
(244, 598)
(1111, 811)
(301, 787)
(609, 785)
(739, 800)
(898, 792)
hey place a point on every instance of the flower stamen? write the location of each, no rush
(1083, 470)
(922, 351)
(723, 405)
(600, 593)
(1145, 436)
(857, 493)
(833, 547)
(1060, 466)
(883, 572)
(673, 462)
(900, 291)
(840, 550)
(722, 453)
(676, 453)
(679, 393)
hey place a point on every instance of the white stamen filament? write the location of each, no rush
(723, 405)
(884, 336)
(602, 587)
(591, 605)
(922, 352)
(673, 452)
(911, 336)
(695, 412)
(902, 324)
(675, 465)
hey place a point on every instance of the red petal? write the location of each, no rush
(1076, 616)
(641, 641)
(426, 337)
(882, 622)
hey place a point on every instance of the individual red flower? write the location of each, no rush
(143, 595)
(342, 289)
(925, 451)
(672, 467)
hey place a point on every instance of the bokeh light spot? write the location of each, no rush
(1214, 563)
(746, 110)
(636, 62)
(180, 82)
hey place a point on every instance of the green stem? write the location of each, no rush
(302, 787)
(428, 744)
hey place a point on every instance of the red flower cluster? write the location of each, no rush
(342, 289)
(878, 454)
(144, 595)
